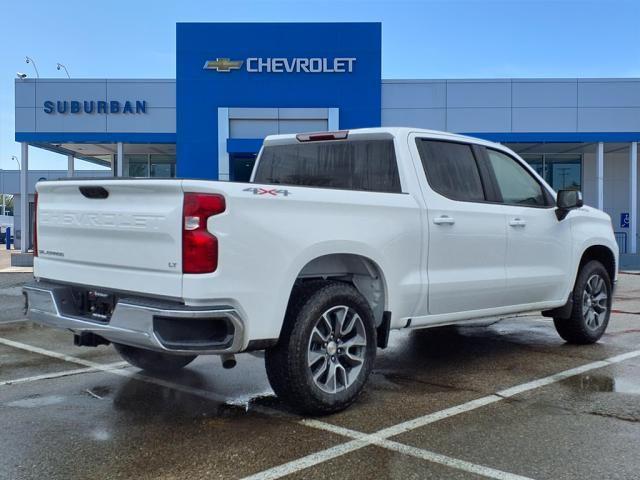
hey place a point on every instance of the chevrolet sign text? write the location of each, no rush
(297, 65)
(284, 65)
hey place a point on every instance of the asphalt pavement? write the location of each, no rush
(507, 400)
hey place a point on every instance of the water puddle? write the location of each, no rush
(246, 401)
(603, 383)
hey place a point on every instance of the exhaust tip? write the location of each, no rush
(228, 361)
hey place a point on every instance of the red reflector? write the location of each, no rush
(35, 225)
(199, 252)
(319, 136)
(199, 247)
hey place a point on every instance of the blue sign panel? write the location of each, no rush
(268, 65)
(624, 220)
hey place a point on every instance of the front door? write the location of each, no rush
(538, 245)
(465, 235)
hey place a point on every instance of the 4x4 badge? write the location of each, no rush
(267, 191)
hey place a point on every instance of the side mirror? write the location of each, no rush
(567, 200)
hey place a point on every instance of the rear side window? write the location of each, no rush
(451, 169)
(517, 185)
(368, 165)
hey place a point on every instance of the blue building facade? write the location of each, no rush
(267, 66)
(239, 82)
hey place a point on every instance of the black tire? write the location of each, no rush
(287, 362)
(579, 328)
(152, 361)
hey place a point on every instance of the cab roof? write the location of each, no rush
(377, 132)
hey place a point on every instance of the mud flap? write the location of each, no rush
(562, 312)
(383, 330)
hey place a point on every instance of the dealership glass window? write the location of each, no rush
(150, 165)
(138, 165)
(241, 166)
(564, 171)
(537, 162)
(561, 171)
(162, 166)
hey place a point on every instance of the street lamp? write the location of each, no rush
(17, 161)
(30, 60)
(2, 186)
(61, 65)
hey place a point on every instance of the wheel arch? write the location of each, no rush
(604, 255)
(599, 252)
(362, 272)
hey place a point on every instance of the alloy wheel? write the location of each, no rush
(595, 300)
(337, 349)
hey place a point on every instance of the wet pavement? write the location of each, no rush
(439, 404)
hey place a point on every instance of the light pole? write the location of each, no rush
(62, 66)
(17, 161)
(30, 60)
(2, 186)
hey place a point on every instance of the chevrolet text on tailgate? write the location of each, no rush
(339, 238)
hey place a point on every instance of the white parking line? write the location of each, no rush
(49, 353)
(416, 452)
(123, 373)
(309, 461)
(359, 439)
(375, 438)
(65, 373)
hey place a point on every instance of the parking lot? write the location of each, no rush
(508, 400)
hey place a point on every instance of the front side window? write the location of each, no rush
(517, 185)
(367, 165)
(451, 169)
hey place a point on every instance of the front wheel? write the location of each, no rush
(592, 297)
(326, 349)
(152, 361)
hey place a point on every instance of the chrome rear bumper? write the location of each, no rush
(147, 323)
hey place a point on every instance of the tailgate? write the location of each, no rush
(131, 240)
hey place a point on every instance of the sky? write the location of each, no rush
(420, 39)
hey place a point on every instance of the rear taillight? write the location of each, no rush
(35, 225)
(199, 247)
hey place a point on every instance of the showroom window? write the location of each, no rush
(561, 171)
(150, 165)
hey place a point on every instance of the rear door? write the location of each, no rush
(466, 236)
(538, 245)
(117, 234)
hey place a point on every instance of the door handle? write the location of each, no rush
(444, 220)
(517, 222)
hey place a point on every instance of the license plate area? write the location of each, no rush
(94, 304)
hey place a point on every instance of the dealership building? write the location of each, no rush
(239, 82)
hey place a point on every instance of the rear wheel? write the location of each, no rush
(152, 361)
(326, 350)
(592, 296)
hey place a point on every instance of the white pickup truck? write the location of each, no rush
(339, 238)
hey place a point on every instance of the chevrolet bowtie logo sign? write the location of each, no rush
(223, 64)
